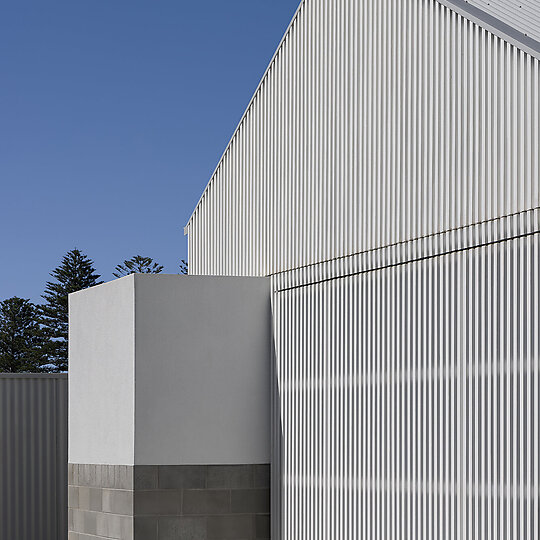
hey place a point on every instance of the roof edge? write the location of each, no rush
(462, 7)
(494, 25)
(263, 78)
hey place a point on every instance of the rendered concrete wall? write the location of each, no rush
(202, 370)
(102, 374)
(170, 370)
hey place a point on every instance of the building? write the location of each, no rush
(385, 176)
(384, 183)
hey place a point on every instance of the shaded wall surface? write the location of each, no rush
(33, 457)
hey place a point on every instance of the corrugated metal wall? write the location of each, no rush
(407, 403)
(386, 176)
(33, 457)
(378, 121)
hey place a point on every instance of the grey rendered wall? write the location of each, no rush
(202, 370)
(33, 457)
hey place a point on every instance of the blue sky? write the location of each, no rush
(113, 115)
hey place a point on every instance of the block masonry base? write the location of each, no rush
(166, 502)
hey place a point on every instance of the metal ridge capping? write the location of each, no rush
(495, 25)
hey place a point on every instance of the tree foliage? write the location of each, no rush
(22, 341)
(76, 272)
(137, 265)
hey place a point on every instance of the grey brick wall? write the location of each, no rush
(100, 502)
(202, 502)
(164, 502)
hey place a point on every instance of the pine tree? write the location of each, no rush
(22, 341)
(137, 265)
(76, 272)
(184, 270)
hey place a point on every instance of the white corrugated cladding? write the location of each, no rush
(377, 122)
(523, 15)
(408, 383)
(386, 176)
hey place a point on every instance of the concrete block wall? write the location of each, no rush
(169, 502)
(100, 502)
(202, 502)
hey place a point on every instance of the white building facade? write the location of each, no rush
(386, 178)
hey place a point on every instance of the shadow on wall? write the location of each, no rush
(277, 453)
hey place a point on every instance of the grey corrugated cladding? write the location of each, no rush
(33, 457)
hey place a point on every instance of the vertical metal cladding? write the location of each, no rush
(33, 457)
(408, 390)
(386, 175)
(376, 122)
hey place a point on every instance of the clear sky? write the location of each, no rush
(113, 115)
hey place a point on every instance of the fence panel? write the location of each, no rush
(33, 456)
